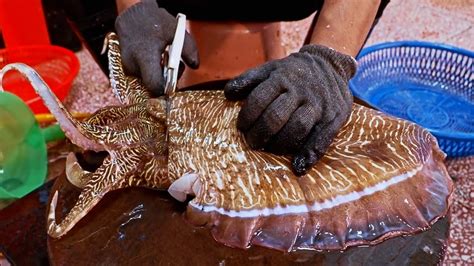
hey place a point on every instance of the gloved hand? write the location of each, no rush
(295, 105)
(144, 31)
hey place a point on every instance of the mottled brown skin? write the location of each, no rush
(381, 177)
(134, 136)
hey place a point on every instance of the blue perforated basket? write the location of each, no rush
(427, 83)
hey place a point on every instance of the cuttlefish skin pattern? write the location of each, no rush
(133, 134)
(380, 178)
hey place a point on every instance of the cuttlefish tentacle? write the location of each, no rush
(152, 173)
(129, 90)
(74, 172)
(90, 136)
(108, 115)
(73, 129)
(108, 177)
(123, 134)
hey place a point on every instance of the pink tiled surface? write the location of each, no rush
(445, 21)
(91, 89)
(448, 21)
(460, 249)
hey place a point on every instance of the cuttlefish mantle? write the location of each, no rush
(381, 177)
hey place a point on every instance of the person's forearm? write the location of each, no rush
(124, 4)
(344, 24)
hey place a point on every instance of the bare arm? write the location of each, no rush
(344, 24)
(124, 4)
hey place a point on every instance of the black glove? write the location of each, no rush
(144, 31)
(295, 105)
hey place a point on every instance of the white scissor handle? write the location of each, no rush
(171, 67)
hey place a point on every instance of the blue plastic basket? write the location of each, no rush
(427, 83)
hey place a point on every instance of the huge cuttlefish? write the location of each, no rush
(381, 176)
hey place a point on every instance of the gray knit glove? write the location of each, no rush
(144, 31)
(295, 105)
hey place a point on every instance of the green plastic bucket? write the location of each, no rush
(23, 152)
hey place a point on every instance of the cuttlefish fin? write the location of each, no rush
(108, 177)
(73, 129)
(129, 90)
(74, 172)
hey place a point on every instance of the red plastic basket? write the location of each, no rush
(57, 66)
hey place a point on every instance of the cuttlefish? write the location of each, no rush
(381, 177)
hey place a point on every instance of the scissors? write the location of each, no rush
(172, 58)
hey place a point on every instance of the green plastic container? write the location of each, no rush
(23, 152)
